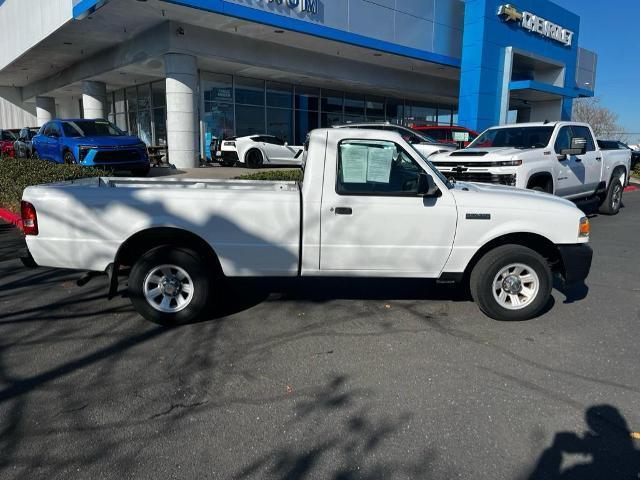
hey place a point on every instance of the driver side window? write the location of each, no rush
(376, 167)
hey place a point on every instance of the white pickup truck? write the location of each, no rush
(370, 205)
(562, 158)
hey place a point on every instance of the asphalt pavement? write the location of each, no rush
(337, 380)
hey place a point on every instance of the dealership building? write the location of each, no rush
(180, 72)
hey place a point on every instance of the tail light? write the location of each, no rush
(29, 219)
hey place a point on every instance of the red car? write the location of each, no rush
(7, 138)
(445, 134)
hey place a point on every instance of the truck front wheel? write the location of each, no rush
(511, 282)
(170, 285)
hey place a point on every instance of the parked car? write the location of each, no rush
(23, 146)
(425, 144)
(561, 158)
(7, 139)
(97, 143)
(370, 205)
(255, 151)
(617, 145)
(460, 136)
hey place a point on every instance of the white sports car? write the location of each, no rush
(254, 151)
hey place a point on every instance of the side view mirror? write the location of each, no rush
(427, 187)
(578, 147)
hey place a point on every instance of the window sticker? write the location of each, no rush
(460, 136)
(354, 163)
(379, 164)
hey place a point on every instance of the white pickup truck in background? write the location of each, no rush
(562, 158)
(370, 205)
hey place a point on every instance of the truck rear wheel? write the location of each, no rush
(611, 203)
(170, 286)
(511, 282)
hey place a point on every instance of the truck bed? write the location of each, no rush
(254, 226)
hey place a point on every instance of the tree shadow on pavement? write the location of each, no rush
(607, 444)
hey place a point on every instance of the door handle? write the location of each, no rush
(599, 159)
(578, 160)
(343, 211)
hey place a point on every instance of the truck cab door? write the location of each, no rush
(373, 220)
(577, 175)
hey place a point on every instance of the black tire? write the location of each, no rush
(141, 172)
(254, 158)
(610, 204)
(68, 158)
(35, 155)
(538, 189)
(484, 273)
(200, 280)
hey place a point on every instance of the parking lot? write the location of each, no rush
(333, 379)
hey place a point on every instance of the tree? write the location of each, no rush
(603, 121)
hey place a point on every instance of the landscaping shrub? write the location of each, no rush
(16, 174)
(275, 175)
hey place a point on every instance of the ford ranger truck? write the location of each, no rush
(562, 158)
(370, 205)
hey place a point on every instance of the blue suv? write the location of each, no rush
(96, 143)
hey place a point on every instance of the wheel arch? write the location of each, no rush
(534, 241)
(143, 241)
(620, 171)
(254, 148)
(543, 179)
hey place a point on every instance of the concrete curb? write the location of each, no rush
(11, 217)
(634, 180)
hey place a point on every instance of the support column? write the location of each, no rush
(94, 99)
(45, 109)
(182, 80)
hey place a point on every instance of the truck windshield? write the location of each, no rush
(433, 168)
(91, 128)
(515, 137)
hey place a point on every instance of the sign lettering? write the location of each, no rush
(536, 24)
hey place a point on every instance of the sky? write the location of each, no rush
(611, 29)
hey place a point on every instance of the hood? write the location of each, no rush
(501, 196)
(479, 153)
(429, 148)
(125, 140)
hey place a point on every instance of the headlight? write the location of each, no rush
(510, 163)
(584, 228)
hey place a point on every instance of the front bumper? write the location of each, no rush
(114, 157)
(576, 260)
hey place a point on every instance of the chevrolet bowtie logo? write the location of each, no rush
(509, 13)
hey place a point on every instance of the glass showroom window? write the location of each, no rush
(218, 117)
(307, 104)
(159, 112)
(444, 116)
(331, 108)
(279, 110)
(423, 114)
(375, 108)
(120, 109)
(143, 106)
(354, 106)
(250, 113)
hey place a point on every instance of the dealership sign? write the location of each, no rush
(302, 6)
(536, 24)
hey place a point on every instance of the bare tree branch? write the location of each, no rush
(603, 121)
